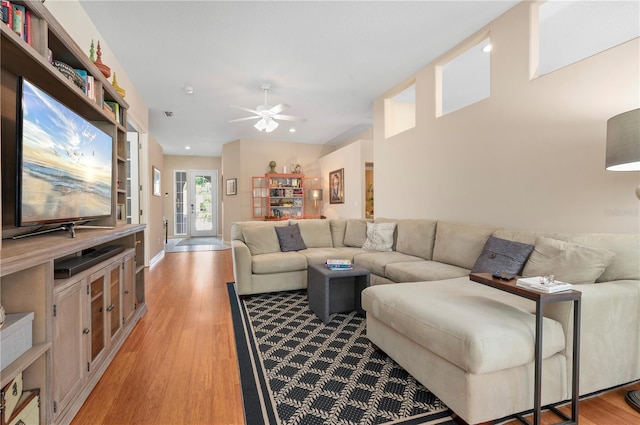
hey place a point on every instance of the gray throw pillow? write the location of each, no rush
(290, 238)
(502, 255)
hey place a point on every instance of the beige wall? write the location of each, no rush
(174, 163)
(244, 159)
(155, 230)
(352, 158)
(529, 157)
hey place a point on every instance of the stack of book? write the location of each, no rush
(339, 264)
(18, 18)
(533, 283)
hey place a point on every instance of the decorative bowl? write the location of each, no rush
(70, 73)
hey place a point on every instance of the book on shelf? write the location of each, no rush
(19, 12)
(116, 110)
(533, 283)
(83, 74)
(7, 13)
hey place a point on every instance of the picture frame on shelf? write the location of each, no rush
(156, 181)
(232, 187)
(336, 186)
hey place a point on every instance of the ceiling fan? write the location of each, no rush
(267, 114)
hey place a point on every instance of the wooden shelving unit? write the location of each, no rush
(27, 266)
(286, 196)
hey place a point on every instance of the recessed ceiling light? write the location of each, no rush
(292, 130)
(188, 90)
(487, 48)
(187, 147)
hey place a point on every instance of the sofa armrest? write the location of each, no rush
(610, 333)
(241, 266)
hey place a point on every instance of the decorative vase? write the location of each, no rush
(106, 71)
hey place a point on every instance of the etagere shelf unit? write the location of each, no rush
(80, 322)
(286, 196)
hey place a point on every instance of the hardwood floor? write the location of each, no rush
(179, 365)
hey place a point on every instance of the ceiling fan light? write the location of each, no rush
(261, 125)
(271, 125)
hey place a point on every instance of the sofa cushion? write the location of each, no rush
(356, 232)
(478, 328)
(261, 239)
(338, 228)
(416, 237)
(567, 261)
(321, 255)
(419, 271)
(626, 264)
(278, 262)
(376, 262)
(316, 233)
(501, 255)
(379, 236)
(289, 238)
(460, 244)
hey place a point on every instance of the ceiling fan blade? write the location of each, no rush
(253, 111)
(279, 108)
(289, 118)
(245, 119)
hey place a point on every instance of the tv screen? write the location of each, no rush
(64, 172)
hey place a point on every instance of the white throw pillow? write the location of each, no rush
(379, 236)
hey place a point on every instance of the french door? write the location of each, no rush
(203, 202)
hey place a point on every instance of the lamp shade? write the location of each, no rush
(623, 142)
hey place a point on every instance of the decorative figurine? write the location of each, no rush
(106, 71)
(115, 85)
(92, 52)
(272, 165)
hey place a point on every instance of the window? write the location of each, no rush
(466, 79)
(180, 226)
(573, 30)
(400, 112)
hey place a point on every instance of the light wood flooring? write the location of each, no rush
(179, 365)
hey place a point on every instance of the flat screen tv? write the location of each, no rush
(64, 163)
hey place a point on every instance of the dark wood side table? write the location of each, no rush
(541, 299)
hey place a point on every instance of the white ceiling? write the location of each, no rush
(329, 60)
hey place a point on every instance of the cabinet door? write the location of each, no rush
(97, 314)
(69, 366)
(128, 292)
(113, 303)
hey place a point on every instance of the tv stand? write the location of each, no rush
(70, 227)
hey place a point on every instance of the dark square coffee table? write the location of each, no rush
(335, 291)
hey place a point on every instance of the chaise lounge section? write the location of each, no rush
(470, 344)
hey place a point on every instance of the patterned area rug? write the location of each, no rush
(310, 373)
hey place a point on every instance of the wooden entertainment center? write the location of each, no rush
(82, 319)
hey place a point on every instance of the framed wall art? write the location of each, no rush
(232, 186)
(336, 186)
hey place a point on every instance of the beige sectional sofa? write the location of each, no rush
(470, 344)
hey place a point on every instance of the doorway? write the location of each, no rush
(203, 203)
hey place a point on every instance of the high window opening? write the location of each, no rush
(570, 31)
(466, 79)
(400, 112)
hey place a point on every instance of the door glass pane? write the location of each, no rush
(180, 227)
(203, 203)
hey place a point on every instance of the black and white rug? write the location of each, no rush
(297, 370)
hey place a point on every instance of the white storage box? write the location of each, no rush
(15, 337)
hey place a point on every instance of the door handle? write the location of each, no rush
(192, 210)
(86, 331)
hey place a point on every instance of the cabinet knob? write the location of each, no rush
(86, 331)
(111, 307)
(126, 292)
